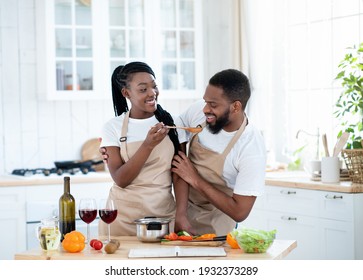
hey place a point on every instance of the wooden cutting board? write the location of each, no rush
(90, 151)
(193, 243)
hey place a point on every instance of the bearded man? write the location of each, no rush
(224, 169)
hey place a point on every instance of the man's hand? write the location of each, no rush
(184, 168)
(103, 152)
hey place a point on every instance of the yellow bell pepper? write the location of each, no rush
(73, 242)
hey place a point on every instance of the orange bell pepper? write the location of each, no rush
(73, 242)
(206, 236)
(232, 242)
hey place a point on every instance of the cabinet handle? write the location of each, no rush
(329, 196)
(287, 218)
(287, 192)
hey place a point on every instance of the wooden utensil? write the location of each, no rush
(190, 129)
(325, 144)
(340, 144)
(89, 151)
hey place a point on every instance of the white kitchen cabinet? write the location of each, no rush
(81, 42)
(326, 225)
(20, 204)
(12, 221)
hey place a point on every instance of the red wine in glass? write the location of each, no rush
(108, 213)
(87, 212)
(108, 216)
(88, 215)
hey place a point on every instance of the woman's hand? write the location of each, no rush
(155, 135)
(182, 223)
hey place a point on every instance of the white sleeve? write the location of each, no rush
(111, 134)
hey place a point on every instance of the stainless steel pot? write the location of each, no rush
(152, 229)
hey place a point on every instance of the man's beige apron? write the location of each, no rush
(149, 194)
(204, 217)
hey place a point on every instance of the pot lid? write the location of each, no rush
(148, 220)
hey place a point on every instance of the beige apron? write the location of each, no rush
(205, 217)
(149, 194)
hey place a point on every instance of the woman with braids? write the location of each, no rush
(140, 150)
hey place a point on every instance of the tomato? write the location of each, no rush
(173, 236)
(97, 245)
(185, 237)
(92, 241)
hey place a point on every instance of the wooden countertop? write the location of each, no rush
(278, 250)
(296, 179)
(53, 179)
(301, 179)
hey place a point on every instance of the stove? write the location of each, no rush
(61, 167)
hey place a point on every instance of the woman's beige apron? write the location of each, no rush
(149, 194)
(205, 217)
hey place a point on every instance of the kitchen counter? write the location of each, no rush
(278, 250)
(296, 179)
(300, 179)
(39, 179)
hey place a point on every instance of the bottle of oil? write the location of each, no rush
(67, 210)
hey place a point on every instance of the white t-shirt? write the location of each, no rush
(137, 130)
(244, 167)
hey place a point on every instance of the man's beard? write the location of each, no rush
(220, 123)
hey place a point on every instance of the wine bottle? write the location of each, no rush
(67, 210)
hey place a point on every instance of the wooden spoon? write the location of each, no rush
(340, 144)
(325, 144)
(190, 129)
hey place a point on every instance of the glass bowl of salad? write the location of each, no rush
(254, 240)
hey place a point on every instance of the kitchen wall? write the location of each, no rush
(295, 47)
(35, 132)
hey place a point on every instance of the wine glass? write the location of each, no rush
(108, 213)
(87, 212)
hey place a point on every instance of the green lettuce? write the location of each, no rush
(253, 240)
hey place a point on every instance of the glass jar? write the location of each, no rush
(48, 234)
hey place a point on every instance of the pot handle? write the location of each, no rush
(154, 226)
(150, 217)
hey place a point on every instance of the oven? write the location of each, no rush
(38, 210)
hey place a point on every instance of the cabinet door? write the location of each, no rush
(68, 52)
(337, 240)
(12, 222)
(81, 42)
(303, 229)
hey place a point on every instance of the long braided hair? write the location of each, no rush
(120, 79)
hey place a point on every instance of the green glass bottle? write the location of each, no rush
(67, 210)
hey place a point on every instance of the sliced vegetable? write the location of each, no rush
(183, 233)
(185, 237)
(232, 242)
(173, 236)
(206, 236)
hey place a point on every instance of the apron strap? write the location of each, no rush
(123, 137)
(235, 137)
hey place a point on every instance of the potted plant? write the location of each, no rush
(350, 102)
